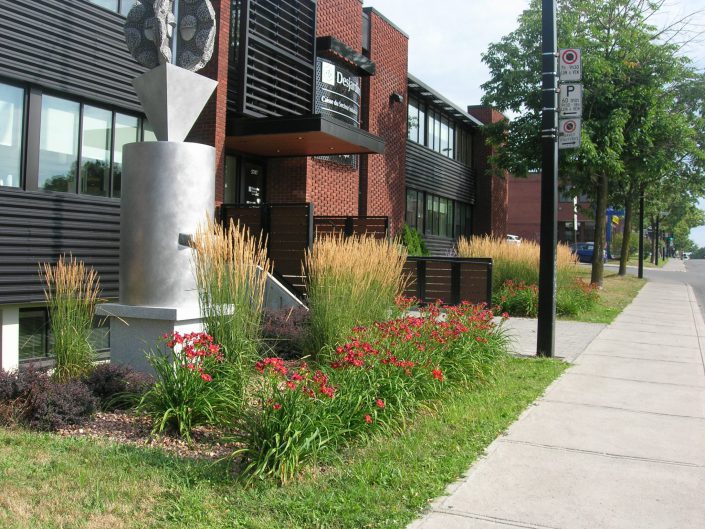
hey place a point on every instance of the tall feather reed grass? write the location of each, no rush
(352, 282)
(71, 292)
(517, 262)
(231, 268)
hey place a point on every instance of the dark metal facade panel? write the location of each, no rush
(439, 246)
(73, 47)
(38, 227)
(272, 61)
(432, 172)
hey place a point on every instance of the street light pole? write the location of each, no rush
(549, 183)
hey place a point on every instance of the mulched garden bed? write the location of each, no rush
(132, 429)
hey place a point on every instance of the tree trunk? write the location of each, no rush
(652, 257)
(598, 265)
(626, 233)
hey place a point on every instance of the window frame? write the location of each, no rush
(23, 131)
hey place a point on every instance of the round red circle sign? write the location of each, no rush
(569, 126)
(570, 56)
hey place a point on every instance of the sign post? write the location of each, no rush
(545, 344)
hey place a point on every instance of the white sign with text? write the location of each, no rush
(569, 133)
(571, 100)
(570, 65)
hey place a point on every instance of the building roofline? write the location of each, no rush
(380, 15)
(417, 85)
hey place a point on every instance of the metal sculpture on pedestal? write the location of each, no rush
(168, 186)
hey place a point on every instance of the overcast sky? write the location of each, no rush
(448, 37)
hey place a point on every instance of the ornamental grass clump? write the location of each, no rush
(71, 291)
(351, 281)
(515, 273)
(377, 379)
(231, 268)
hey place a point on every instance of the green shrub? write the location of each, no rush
(71, 291)
(414, 242)
(520, 299)
(351, 281)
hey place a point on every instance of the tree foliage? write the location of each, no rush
(642, 105)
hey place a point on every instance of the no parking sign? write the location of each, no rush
(569, 133)
(570, 64)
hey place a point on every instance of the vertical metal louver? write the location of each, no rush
(272, 57)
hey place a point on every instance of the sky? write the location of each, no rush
(447, 39)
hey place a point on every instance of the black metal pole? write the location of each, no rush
(657, 245)
(545, 345)
(641, 234)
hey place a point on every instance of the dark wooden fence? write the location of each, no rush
(291, 229)
(348, 226)
(450, 279)
(289, 232)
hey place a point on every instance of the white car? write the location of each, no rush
(513, 239)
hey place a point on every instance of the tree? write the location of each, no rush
(629, 72)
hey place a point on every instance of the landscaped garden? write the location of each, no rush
(515, 281)
(354, 413)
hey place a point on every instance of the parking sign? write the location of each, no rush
(569, 133)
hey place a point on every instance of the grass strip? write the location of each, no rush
(51, 482)
(617, 292)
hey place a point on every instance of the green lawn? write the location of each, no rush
(51, 482)
(617, 292)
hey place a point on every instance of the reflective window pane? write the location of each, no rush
(34, 328)
(126, 131)
(11, 114)
(108, 4)
(125, 6)
(148, 132)
(95, 151)
(411, 205)
(58, 144)
(413, 121)
(422, 125)
(444, 137)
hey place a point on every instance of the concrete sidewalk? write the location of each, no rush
(617, 442)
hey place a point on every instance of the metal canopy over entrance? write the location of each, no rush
(312, 135)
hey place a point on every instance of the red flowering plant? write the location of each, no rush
(190, 387)
(295, 416)
(376, 379)
(517, 298)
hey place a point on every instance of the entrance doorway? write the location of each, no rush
(244, 180)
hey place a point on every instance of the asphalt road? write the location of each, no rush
(694, 276)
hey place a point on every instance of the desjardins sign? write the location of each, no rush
(338, 95)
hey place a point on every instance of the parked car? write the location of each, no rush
(585, 251)
(513, 239)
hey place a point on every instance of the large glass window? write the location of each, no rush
(413, 121)
(34, 334)
(126, 131)
(58, 144)
(121, 6)
(11, 119)
(95, 151)
(412, 207)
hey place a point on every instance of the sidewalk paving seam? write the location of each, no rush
(690, 348)
(622, 409)
(632, 380)
(494, 519)
(603, 355)
(603, 454)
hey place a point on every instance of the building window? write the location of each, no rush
(463, 219)
(96, 142)
(37, 343)
(439, 216)
(58, 144)
(121, 6)
(127, 129)
(413, 121)
(11, 128)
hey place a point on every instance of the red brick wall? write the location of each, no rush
(491, 201)
(210, 127)
(385, 182)
(341, 19)
(286, 180)
(332, 188)
(524, 217)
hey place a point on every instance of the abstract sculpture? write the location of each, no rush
(175, 38)
(151, 39)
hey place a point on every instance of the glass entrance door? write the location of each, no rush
(244, 181)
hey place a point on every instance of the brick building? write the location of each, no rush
(314, 105)
(524, 212)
